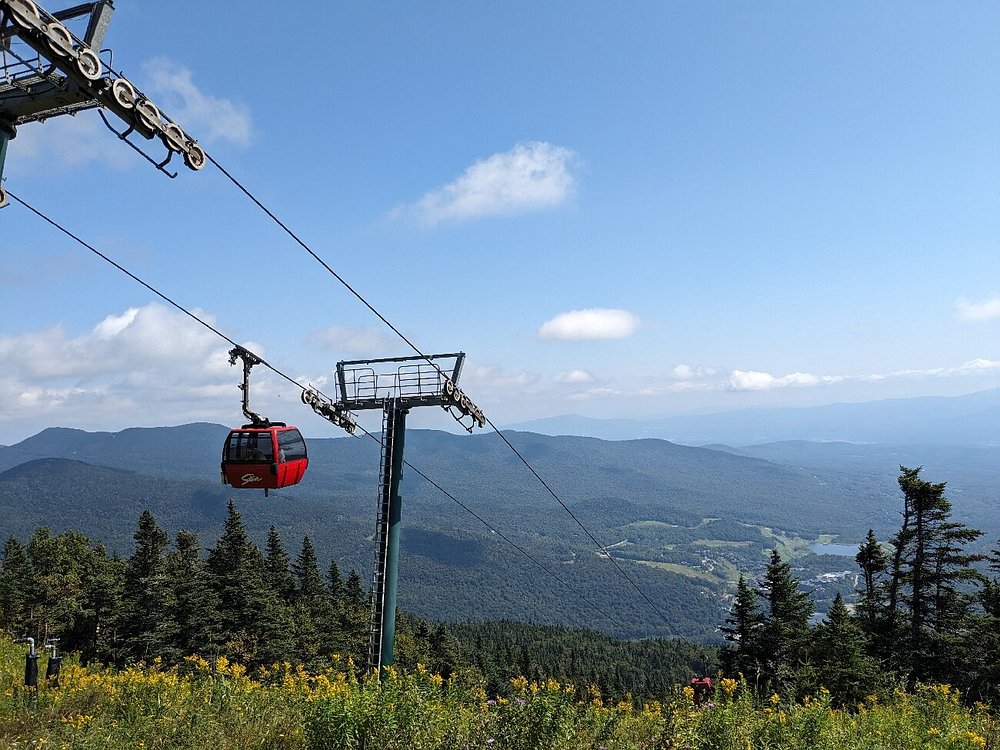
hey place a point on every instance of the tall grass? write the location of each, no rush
(217, 705)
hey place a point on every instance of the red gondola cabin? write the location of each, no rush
(264, 457)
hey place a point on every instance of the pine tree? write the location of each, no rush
(194, 605)
(744, 629)
(873, 563)
(316, 615)
(840, 661)
(335, 584)
(256, 625)
(786, 626)
(276, 563)
(16, 586)
(930, 577)
(144, 624)
(354, 590)
(337, 595)
(444, 652)
(309, 585)
(356, 618)
(102, 581)
(983, 667)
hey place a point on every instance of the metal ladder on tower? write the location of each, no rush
(381, 538)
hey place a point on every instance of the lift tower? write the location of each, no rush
(396, 385)
(46, 70)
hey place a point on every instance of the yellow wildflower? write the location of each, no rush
(624, 707)
(975, 739)
(594, 693)
(728, 686)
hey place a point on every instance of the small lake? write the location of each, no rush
(843, 550)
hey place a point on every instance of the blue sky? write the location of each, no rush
(615, 209)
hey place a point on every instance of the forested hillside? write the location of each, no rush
(170, 599)
(685, 521)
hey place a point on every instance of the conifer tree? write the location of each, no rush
(984, 659)
(354, 591)
(930, 575)
(873, 563)
(786, 626)
(54, 593)
(102, 579)
(335, 581)
(744, 629)
(16, 587)
(335, 584)
(72, 591)
(840, 661)
(255, 623)
(194, 604)
(276, 563)
(309, 585)
(356, 616)
(144, 626)
(421, 643)
(444, 652)
(316, 615)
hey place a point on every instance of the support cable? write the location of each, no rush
(155, 291)
(520, 549)
(414, 347)
(587, 531)
(278, 372)
(318, 259)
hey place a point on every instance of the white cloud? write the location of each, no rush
(146, 365)
(479, 378)
(753, 380)
(575, 377)
(113, 325)
(599, 392)
(530, 177)
(594, 323)
(966, 368)
(688, 372)
(367, 341)
(203, 117)
(977, 312)
(977, 365)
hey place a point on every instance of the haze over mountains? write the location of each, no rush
(972, 419)
(683, 521)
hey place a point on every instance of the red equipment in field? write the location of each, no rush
(262, 455)
(703, 689)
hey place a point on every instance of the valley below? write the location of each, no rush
(683, 522)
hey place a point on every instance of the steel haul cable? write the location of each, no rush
(243, 189)
(278, 372)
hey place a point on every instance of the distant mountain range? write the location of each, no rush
(972, 419)
(683, 521)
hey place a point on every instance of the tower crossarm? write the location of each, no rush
(66, 74)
